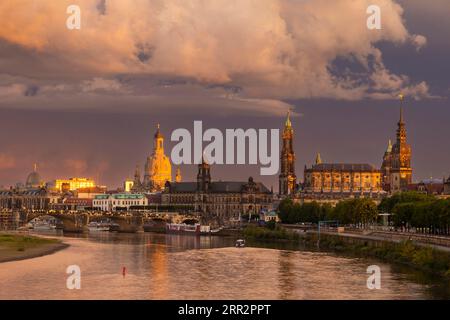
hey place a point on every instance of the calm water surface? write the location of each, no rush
(186, 267)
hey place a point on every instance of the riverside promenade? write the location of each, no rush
(437, 242)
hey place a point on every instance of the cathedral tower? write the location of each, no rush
(401, 171)
(386, 167)
(287, 178)
(203, 176)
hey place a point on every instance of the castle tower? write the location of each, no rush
(158, 169)
(287, 177)
(386, 168)
(401, 171)
(203, 176)
(178, 175)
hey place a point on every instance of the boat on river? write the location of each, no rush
(194, 229)
(240, 243)
(98, 227)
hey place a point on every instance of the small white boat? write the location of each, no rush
(43, 226)
(97, 227)
(240, 243)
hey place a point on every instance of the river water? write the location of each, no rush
(162, 266)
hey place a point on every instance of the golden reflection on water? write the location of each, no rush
(188, 267)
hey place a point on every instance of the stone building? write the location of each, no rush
(386, 167)
(28, 199)
(287, 177)
(222, 199)
(157, 171)
(118, 201)
(31, 196)
(341, 179)
(428, 186)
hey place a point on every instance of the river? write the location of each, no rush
(162, 266)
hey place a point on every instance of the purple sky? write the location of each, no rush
(92, 109)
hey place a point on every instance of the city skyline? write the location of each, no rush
(189, 171)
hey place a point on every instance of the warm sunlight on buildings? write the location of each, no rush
(74, 184)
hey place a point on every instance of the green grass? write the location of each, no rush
(277, 233)
(22, 243)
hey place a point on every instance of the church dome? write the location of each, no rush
(33, 179)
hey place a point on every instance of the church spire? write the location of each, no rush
(288, 123)
(389, 147)
(318, 158)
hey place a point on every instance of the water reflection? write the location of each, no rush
(160, 266)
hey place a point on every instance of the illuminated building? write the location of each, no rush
(73, 184)
(158, 169)
(128, 185)
(342, 179)
(400, 172)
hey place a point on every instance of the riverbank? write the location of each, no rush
(406, 252)
(418, 256)
(15, 247)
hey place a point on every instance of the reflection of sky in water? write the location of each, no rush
(165, 267)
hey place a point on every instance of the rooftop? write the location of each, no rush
(343, 167)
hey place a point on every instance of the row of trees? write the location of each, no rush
(353, 211)
(423, 212)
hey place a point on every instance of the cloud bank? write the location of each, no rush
(269, 49)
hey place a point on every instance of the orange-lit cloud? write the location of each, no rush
(274, 49)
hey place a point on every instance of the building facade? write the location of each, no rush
(287, 177)
(222, 199)
(428, 186)
(342, 179)
(118, 201)
(73, 184)
(27, 199)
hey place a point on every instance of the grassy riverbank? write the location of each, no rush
(274, 233)
(19, 247)
(407, 253)
(423, 258)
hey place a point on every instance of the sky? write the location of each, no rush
(87, 102)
